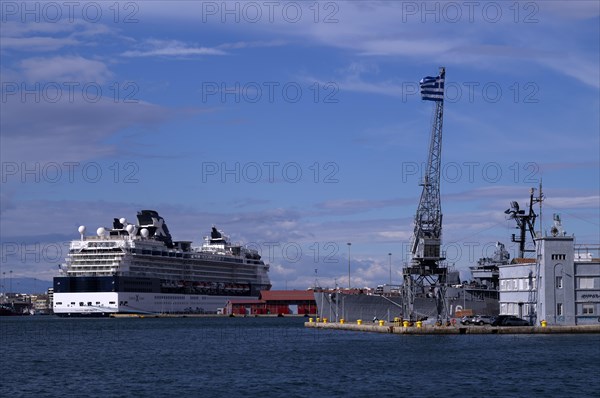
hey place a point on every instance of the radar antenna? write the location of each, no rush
(525, 221)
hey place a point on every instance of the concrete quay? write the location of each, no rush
(456, 329)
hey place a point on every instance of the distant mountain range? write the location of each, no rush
(24, 285)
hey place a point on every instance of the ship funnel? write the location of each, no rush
(156, 226)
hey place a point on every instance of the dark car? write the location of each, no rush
(509, 320)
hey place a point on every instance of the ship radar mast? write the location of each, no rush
(525, 220)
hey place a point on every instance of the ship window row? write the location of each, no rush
(177, 276)
(95, 263)
(191, 272)
(88, 273)
(90, 268)
(194, 271)
(101, 244)
(98, 264)
(212, 257)
(93, 259)
(170, 297)
(87, 252)
(138, 282)
(197, 265)
(148, 252)
(88, 260)
(82, 303)
(213, 278)
(520, 284)
(559, 256)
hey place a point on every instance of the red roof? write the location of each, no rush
(247, 301)
(287, 295)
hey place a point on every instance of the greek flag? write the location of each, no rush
(432, 88)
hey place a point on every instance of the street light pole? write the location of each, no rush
(349, 244)
(390, 257)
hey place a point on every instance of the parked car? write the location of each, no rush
(467, 320)
(483, 320)
(509, 320)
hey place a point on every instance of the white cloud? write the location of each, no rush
(68, 131)
(171, 48)
(45, 36)
(574, 202)
(37, 43)
(65, 69)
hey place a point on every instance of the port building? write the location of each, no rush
(561, 285)
(275, 302)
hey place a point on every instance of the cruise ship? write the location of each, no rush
(139, 269)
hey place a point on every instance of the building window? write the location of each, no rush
(588, 309)
(586, 283)
(559, 257)
(559, 282)
(559, 309)
(503, 309)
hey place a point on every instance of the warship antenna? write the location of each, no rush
(427, 268)
(525, 221)
(540, 199)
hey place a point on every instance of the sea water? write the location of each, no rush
(46, 356)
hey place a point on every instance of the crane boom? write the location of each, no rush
(428, 219)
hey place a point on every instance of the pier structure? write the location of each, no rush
(415, 329)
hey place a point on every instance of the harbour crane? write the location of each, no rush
(427, 271)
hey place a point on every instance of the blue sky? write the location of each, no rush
(295, 125)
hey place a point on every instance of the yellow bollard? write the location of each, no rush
(405, 324)
(544, 323)
(342, 321)
(324, 320)
(381, 322)
(359, 322)
(318, 319)
(310, 320)
(419, 324)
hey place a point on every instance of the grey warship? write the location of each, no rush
(478, 296)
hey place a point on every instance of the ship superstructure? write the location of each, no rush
(138, 268)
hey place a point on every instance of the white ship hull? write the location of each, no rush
(106, 303)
